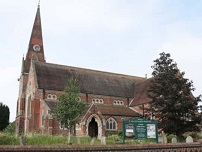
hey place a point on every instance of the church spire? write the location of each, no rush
(35, 47)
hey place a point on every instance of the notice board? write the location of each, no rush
(139, 128)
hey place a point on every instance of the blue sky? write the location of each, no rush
(121, 36)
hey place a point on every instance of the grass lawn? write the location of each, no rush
(10, 139)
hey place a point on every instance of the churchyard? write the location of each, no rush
(36, 139)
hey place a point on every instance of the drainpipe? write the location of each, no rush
(128, 101)
(87, 98)
(143, 110)
(43, 94)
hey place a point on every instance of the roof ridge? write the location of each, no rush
(118, 74)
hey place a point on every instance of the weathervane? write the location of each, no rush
(39, 3)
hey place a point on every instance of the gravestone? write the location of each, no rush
(103, 140)
(22, 140)
(79, 140)
(174, 140)
(189, 139)
(162, 138)
(92, 141)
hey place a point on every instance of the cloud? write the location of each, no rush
(122, 36)
(95, 14)
(182, 39)
(90, 14)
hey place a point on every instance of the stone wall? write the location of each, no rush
(194, 147)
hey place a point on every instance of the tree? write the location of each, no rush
(69, 107)
(4, 116)
(172, 101)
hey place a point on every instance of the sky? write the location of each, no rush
(120, 36)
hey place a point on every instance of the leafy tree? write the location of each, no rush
(69, 107)
(4, 116)
(172, 101)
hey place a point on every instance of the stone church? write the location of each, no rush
(110, 97)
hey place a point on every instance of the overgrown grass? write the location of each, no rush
(45, 140)
(169, 138)
(114, 139)
(194, 135)
(8, 139)
(145, 141)
(58, 140)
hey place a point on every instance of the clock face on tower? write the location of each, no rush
(36, 48)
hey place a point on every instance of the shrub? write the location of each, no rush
(114, 139)
(120, 133)
(200, 135)
(110, 133)
(10, 129)
(169, 138)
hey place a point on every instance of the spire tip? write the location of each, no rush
(39, 3)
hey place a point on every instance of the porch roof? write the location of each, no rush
(117, 110)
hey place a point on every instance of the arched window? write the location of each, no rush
(118, 102)
(97, 100)
(49, 96)
(62, 126)
(78, 98)
(111, 124)
(52, 96)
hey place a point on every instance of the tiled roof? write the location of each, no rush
(104, 109)
(51, 103)
(140, 93)
(54, 77)
(116, 110)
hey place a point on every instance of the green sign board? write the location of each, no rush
(139, 129)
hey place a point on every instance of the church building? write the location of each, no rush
(111, 97)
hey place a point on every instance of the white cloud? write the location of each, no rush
(89, 14)
(114, 35)
(105, 14)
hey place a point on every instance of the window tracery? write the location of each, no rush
(111, 124)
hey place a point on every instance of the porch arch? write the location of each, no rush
(99, 125)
